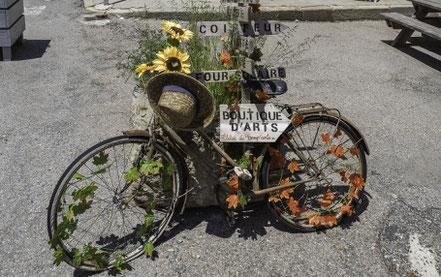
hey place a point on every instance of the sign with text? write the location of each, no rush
(258, 28)
(242, 14)
(266, 74)
(240, 1)
(213, 76)
(246, 44)
(252, 123)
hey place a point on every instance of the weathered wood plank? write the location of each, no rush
(9, 36)
(433, 5)
(9, 16)
(414, 24)
(4, 4)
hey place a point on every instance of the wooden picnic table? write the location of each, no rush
(418, 22)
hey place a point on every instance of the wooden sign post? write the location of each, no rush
(260, 77)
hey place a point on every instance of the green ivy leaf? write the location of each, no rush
(244, 161)
(148, 249)
(151, 167)
(172, 42)
(102, 170)
(77, 176)
(88, 252)
(242, 200)
(84, 192)
(149, 218)
(101, 261)
(120, 264)
(131, 175)
(170, 168)
(256, 165)
(54, 241)
(59, 256)
(151, 204)
(100, 159)
(77, 257)
(70, 213)
(82, 207)
(143, 230)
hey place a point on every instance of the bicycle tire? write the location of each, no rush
(318, 204)
(106, 230)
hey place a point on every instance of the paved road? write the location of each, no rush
(62, 94)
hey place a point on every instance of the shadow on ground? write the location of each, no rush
(433, 46)
(249, 223)
(30, 49)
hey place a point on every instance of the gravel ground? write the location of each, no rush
(62, 94)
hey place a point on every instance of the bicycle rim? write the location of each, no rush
(121, 200)
(326, 147)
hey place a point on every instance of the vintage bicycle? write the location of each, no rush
(117, 198)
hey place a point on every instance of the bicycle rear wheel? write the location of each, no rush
(113, 200)
(328, 153)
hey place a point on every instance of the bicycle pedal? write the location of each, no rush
(243, 173)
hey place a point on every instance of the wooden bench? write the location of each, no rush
(418, 22)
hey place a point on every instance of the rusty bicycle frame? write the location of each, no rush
(174, 140)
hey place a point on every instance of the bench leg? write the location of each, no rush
(402, 37)
(20, 40)
(7, 53)
(405, 34)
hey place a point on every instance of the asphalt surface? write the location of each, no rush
(62, 93)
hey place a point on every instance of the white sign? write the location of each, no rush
(241, 1)
(213, 76)
(248, 67)
(241, 13)
(262, 28)
(258, 28)
(252, 123)
(266, 74)
(246, 44)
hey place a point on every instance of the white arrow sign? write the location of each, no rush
(258, 28)
(213, 76)
(252, 123)
(265, 74)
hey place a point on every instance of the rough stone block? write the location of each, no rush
(341, 13)
(319, 13)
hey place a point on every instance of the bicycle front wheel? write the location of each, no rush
(326, 159)
(113, 201)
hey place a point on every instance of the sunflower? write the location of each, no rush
(172, 60)
(176, 31)
(142, 68)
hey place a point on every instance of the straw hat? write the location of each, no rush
(181, 101)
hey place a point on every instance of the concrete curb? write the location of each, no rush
(313, 13)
